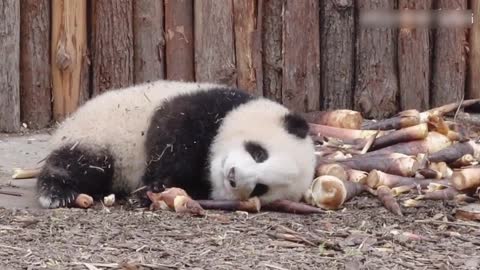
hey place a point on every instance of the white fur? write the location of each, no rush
(118, 118)
(289, 169)
(46, 202)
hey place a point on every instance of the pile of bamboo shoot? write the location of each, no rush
(412, 152)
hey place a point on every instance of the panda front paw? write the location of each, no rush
(156, 187)
(141, 196)
(51, 201)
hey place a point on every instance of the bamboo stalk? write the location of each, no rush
(466, 178)
(348, 119)
(398, 164)
(252, 205)
(401, 120)
(385, 195)
(341, 133)
(417, 132)
(332, 169)
(464, 161)
(378, 178)
(441, 194)
(444, 109)
(357, 176)
(455, 151)
(442, 168)
(19, 173)
(292, 207)
(434, 142)
(83, 201)
(329, 192)
(429, 173)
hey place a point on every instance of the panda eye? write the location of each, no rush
(258, 153)
(259, 190)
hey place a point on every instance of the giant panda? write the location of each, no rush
(214, 141)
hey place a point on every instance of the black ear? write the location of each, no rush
(296, 125)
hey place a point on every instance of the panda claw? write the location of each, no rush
(70, 199)
(49, 201)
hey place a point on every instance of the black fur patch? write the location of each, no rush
(71, 170)
(259, 190)
(296, 125)
(179, 138)
(258, 153)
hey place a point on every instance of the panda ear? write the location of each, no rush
(296, 125)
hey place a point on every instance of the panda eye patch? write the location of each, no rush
(258, 153)
(259, 190)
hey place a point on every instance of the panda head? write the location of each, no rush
(262, 149)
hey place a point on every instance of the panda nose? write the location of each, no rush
(231, 177)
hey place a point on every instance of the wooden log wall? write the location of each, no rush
(414, 60)
(112, 45)
(10, 66)
(35, 70)
(301, 52)
(69, 60)
(308, 55)
(179, 40)
(376, 84)
(214, 41)
(449, 59)
(272, 57)
(149, 40)
(473, 87)
(337, 53)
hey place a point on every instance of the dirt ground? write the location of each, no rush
(364, 235)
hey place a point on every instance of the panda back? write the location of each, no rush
(118, 120)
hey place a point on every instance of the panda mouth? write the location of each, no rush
(227, 185)
(232, 187)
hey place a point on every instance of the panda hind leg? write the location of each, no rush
(72, 170)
